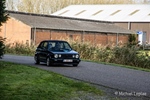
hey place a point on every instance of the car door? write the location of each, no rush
(44, 51)
(39, 50)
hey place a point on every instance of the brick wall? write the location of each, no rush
(103, 39)
(15, 31)
(58, 35)
(42, 35)
(137, 26)
(89, 37)
(75, 36)
(122, 39)
(112, 39)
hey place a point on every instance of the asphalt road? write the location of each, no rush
(128, 82)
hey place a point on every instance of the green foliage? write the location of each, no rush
(20, 82)
(132, 40)
(19, 48)
(3, 16)
(120, 55)
(2, 47)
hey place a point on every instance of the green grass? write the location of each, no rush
(20, 82)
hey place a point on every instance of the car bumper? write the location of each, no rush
(65, 61)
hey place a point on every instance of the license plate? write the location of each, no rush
(67, 60)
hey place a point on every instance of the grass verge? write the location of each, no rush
(21, 82)
(119, 65)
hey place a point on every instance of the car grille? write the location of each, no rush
(67, 56)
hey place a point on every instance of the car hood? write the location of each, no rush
(65, 52)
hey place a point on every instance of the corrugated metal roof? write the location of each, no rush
(116, 13)
(64, 23)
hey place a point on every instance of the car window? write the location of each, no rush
(43, 45)
(67, 46)
(58, 46)
(40, 45)
(50, 46)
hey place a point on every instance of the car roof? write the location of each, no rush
(53, 41)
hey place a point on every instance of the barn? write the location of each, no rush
(33, 28)
(134, 17)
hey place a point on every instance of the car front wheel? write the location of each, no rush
(48, 62)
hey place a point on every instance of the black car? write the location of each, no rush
(56, 52)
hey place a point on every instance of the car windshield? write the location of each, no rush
(59, 46)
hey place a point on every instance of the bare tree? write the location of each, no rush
(51, 6)
(146, 1)
(26, 6)
(59, 4)
(10, 5)
(35, 6)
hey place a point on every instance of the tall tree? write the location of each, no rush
(10, 4)
(3, 18)
(35, 6)
(3, 15)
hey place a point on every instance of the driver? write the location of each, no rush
(57, 46)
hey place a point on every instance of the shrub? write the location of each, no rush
(2, 47)
(132, 40)
(130, 56)
(124, 55)
(20, 48)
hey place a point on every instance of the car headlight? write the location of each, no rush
(77, 56)
(73, 56)
(59, 55)
(56, 55)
